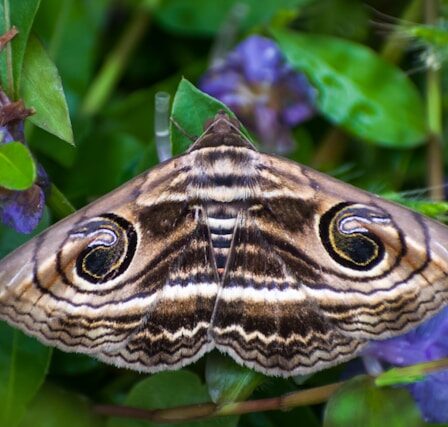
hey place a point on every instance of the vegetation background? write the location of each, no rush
(91, 70)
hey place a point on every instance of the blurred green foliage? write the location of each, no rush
(91, 89)
(361, 403)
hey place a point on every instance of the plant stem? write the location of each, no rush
(410, 374)
(331, 149)
(288, 401)
(7, 37)
(434, 112)
(115, 64)
(58, 203)
(395, 45)
(209, 410)
(59, 28)
(8, 51)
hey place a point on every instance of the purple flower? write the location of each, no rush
(427, 342)
(21, 210)
(266, 94)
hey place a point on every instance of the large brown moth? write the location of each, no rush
(285, 269)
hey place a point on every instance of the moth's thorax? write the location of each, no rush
(223, 174)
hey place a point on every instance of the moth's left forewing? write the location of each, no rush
(93, 282)
(379, 269)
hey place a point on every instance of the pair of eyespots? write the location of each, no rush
(344, 232)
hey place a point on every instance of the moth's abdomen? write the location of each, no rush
(221, 219)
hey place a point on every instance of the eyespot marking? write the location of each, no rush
(345, 233)
(110, 251)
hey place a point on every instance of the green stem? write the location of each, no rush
(395, 45)
(58, 203)
(8, 51)
(59, 28)
(115, 64)
(410, 374)
(312, 396)
(288, 401)
(434, 114)
(331, 149)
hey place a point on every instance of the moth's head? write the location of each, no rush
(222, 123)
(222, 130)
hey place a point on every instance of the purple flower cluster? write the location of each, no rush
(266, 94)
(21, 210)
(427, 342)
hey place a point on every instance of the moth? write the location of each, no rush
(285, 269)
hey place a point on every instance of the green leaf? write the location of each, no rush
(227, 381)
(55, 407)
(206, 17)
(21, 14)
(23, 366)
(42, 89)
(359, 403)
(169, 390)
(357, 89)
(191, 109)
(17, 167)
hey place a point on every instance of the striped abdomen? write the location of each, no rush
(221, 219)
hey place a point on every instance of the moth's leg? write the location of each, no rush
(192, 138)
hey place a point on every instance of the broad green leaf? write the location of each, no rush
(41, 89)
(169, 390)
(23, 366)
(357, 89)
(206, 17)
(21, 14)
(191, 109)
(55, 407)
(227, 381)
(359, 403)
(17, 167)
